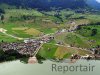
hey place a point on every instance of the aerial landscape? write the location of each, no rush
(33, 31)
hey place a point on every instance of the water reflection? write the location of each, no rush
(19, 68)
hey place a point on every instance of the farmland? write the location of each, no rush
(87, 32)
(49, 51)
(23, 23)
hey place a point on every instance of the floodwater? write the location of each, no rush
(19, 68)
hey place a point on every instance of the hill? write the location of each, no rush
(47, 4)
(94, 4)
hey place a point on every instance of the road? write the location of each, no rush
(37, 50)
(52, 34)
(14, 36)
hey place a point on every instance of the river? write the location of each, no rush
(19, 68)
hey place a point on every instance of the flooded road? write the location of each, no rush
(19, 68)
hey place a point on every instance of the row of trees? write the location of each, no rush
(21, 18)
(1, 14)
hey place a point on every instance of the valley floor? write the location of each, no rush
(59, 37)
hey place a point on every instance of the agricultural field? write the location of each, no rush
(21, 27)
(7, 38)
(73, 39)
(23, 23)
(91, 33)
(76, 40)
(51, 51)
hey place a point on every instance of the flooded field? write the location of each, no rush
(19, 68)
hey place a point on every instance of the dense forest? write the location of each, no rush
(47, 4)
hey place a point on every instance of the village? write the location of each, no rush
(32, 46)
(27, 47)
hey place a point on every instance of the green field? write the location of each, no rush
(86, 31)
(5, 38)
(31, 23)
(76, 40)
(51, 51)
(47, 51)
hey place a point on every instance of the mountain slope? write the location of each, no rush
(47, 4)
(93, 3)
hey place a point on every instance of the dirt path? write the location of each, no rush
(14, 36)
(37, 50)
(4, 31)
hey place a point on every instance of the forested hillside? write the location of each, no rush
(46, 4)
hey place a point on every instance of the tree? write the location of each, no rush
(2, 11)
(94, 32)
(2, 17)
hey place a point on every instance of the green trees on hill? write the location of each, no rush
(94, 32)
(10, 55)
(21, 18)
(47, 4)
(2, 11)
(1, 14)
(2, 18)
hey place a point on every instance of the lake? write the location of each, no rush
(19, 68)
